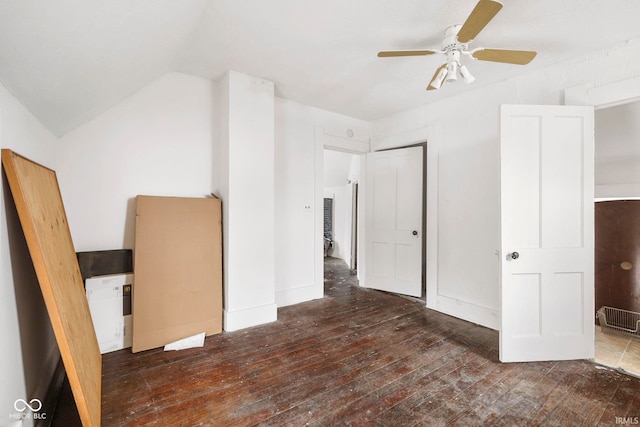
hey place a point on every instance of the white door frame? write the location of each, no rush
(604, 96)
(326, 140)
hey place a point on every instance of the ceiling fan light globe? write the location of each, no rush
(437, 82)
(466, 74)
(452, 72)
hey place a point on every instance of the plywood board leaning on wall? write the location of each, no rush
(44, 222)
(177, 291)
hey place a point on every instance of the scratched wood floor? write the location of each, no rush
(356, 358)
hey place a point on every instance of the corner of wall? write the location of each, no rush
(30, 353)
(297, 295)
(254, 316)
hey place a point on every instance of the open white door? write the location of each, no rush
(393, 221)
(547, 213)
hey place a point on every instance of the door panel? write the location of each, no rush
(394, 221)
(547, 233)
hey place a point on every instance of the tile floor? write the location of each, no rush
(618, 352)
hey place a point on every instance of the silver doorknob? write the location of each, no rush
(514, 255)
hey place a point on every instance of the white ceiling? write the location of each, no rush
(70, 60)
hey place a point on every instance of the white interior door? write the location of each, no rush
(393, 221)
(547, 253)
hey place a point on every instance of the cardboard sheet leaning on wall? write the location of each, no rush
(177, 290)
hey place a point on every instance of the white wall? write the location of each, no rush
(617, 151)
(463, 172)
(337, 165)
(29, 352)
(160, 141)
(301, 133)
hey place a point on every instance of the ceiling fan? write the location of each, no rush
(456, 45)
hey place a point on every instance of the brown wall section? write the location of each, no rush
(617, 254)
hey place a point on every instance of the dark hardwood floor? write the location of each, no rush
(356, 358)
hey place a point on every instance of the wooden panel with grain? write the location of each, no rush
(44, 223)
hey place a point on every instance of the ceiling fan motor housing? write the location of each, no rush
(450, 41)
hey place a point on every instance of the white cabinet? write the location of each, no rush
(109, 300)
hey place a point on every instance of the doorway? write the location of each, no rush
(341, 183)
(602, 97)
(617, 179)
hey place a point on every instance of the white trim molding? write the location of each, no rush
(604, 96)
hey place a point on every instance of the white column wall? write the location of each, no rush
(249, 207)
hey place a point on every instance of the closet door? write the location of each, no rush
(393, 212)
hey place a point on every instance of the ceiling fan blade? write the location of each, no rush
(521, 57)
(480, 16)
(388, 53)
(435, 75)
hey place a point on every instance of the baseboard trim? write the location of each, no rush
(52, 396)
(240, 319)
(297, 295)
(483, 316)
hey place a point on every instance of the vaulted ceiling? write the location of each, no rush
(70, 60)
